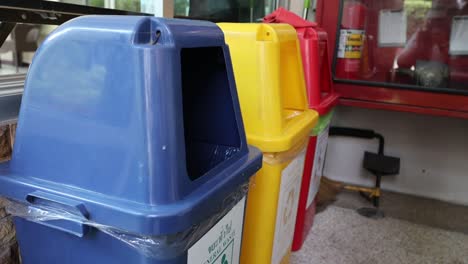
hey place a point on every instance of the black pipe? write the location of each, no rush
(365, 134)
(359, 133)
(352, 132)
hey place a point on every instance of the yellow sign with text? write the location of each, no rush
(351, 44)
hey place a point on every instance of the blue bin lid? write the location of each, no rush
(137, 118)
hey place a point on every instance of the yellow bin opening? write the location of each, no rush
(270, 84)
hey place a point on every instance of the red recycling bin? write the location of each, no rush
(322, 98)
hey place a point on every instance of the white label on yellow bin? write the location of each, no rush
(317, 166)
(221, 245)
(287, 208)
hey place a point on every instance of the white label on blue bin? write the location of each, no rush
(288, 201)
(222, 244)
(317, 166)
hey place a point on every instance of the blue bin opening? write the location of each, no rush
(210, 125)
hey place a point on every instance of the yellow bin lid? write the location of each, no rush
(270, 83)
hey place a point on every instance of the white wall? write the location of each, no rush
(433, 152)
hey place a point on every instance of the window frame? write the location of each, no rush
(409, 87)
(384, 98)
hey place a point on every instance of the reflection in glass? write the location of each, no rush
(221, 10)
(408, 42)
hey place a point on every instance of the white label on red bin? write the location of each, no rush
(288, 201)
(317, 166)
(222, 244)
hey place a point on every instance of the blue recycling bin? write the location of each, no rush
(130, 146)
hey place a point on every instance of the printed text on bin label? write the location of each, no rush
(288, 201)
(221, 245)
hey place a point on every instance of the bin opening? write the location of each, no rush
(210, 125)
(292, 99)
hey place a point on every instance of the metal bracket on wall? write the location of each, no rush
(5, 30)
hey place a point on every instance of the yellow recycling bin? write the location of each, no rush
(270, 83)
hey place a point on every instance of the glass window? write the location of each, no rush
(221, 10)
(129, 5)
(418, 44)
(17, 51)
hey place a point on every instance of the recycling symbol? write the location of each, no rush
(224, 260)
(287, 215)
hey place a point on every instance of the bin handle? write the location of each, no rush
(75, 212)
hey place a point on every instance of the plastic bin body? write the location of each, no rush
(270, 83)
(322, 98)
(314, 51)
(122, 126)
(314, 162)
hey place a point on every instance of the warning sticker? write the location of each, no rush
(288, 201)
(221, 245)
(351, 43)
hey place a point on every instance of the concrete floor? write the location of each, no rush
(414, 209)
(415, 230)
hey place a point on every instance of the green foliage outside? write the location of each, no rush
(417, 9)
(98, 3)
(129, 5)
(180, 7)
